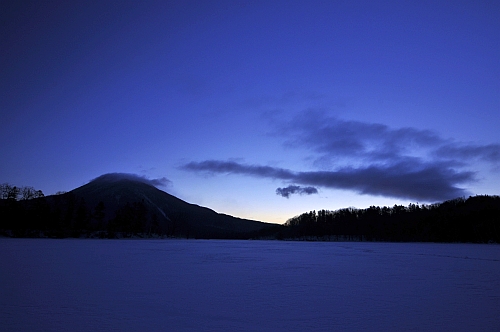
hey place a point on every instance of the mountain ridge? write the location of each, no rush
(117, 205)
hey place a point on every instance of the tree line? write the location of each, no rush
(476, 219)
(10, 192)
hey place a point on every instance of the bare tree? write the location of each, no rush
(4, 190)
(27, 193)
(8, 191)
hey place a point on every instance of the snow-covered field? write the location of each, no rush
(203, 285)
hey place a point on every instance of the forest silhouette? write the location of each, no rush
(476, 219)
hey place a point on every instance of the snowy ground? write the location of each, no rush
(203, 285)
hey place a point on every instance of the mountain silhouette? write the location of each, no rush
(124, 193)
(121, 205)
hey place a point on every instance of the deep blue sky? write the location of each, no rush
(259, 109)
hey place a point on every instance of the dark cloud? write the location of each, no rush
(409, 180)
(291, 189)
(405, 163)
(231, 167)
(489, 153)
(335, 138)
(111, 177)
(425, 183)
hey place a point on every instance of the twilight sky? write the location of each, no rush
(258, 109)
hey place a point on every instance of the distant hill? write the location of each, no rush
(113, 205)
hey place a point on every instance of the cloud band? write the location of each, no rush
(431, 183)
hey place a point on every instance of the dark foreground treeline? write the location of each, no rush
(476, 219)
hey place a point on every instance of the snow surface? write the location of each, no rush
(212, 285)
